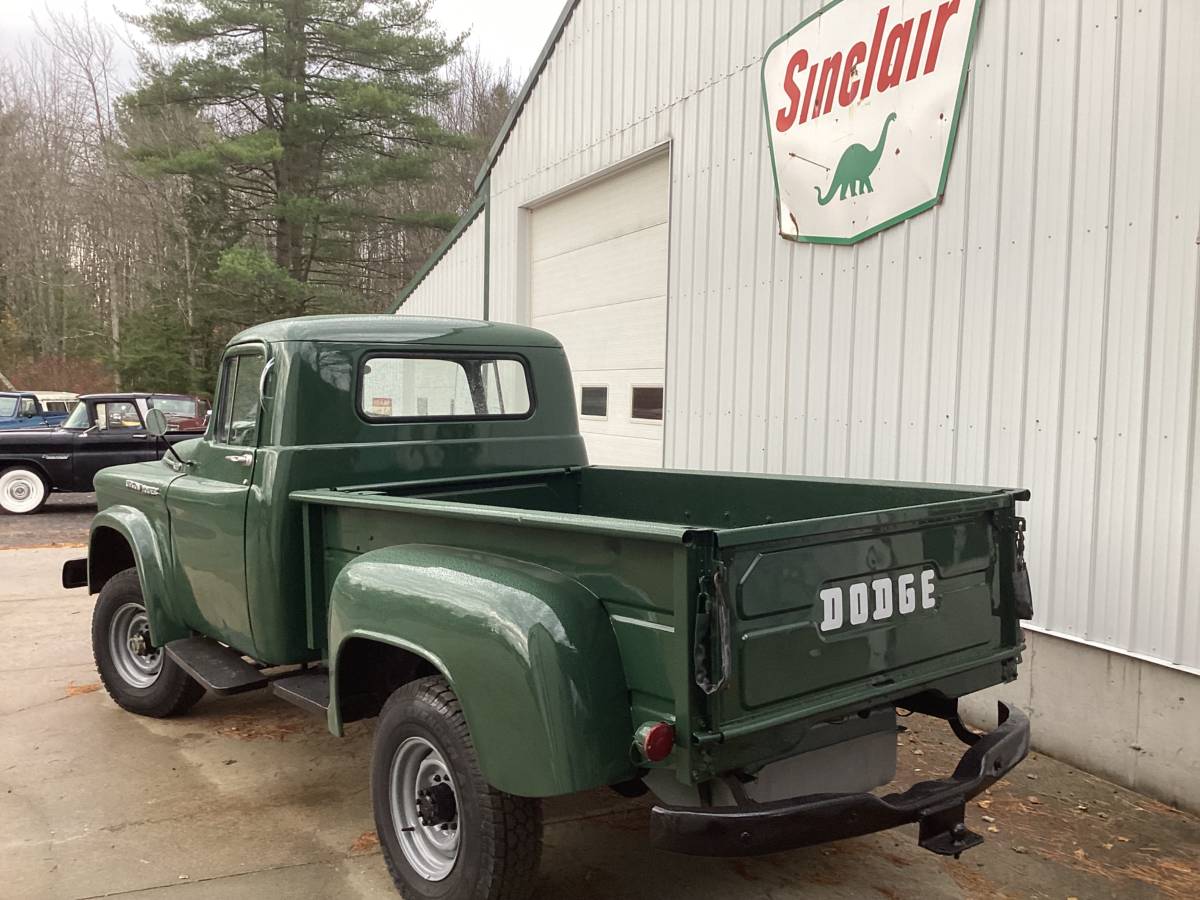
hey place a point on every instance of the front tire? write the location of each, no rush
(446, 834)
(22, 491)
(139, 677)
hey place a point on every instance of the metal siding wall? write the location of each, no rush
(454, 287)
(1038, 328)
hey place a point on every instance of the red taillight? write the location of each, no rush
(657, 741)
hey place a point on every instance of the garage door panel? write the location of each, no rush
(623, 336)
(598, 281)
(620, 384)
(629, 201)
(630, 267)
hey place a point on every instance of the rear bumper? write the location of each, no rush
(938, 806)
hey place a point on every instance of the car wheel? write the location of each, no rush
(445, 832)
(22, 491)
(138, 676)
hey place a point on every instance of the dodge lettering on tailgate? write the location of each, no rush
(877, 599)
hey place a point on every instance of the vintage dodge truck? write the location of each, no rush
(395, 517)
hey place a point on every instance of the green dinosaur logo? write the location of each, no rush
(853, 172)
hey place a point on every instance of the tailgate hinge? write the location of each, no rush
(1022, 591)
(712, 626)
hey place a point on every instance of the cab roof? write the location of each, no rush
(397, 329)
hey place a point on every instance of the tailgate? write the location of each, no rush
(851, 611)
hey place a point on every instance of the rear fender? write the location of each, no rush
(530, 653)
(123, 536)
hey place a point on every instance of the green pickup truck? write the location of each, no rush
(395, 517)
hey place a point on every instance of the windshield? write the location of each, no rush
(78, 417)
(177, 406)
(8, 407)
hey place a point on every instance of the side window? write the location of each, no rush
(28, 408)
(237, 422)
(117, 415)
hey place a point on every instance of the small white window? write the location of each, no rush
(648, 403)
(593, 401)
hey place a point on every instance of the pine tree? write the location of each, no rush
(314, 111)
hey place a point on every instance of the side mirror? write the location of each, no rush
(156, 421)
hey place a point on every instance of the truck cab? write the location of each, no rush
(395, 517)
(28, 409)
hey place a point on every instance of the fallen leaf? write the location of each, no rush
(364, 842)
(918, 752)
(993, 829)
(988, 818)
(1034, 800)
(985, 804)
(74, 690)
(1107, 846)
(1123, 840)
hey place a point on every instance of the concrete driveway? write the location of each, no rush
(248, 796)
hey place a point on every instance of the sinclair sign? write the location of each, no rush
(862, 101)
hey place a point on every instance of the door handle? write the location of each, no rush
(244, 459)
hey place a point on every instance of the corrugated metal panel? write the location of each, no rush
(455, 286)
(1037, 328)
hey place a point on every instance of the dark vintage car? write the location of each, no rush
(103, 430)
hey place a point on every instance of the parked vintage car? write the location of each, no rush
(34, 409)
(395, 517)
(103, 430)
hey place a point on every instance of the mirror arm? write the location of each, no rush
(170, 449)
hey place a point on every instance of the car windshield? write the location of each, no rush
(176, 406)
(8, 407)
(78, 417)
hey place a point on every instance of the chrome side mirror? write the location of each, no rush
(156, 421)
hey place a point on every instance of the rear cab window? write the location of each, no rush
(410, 387)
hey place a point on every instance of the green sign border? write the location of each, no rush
(895, 220)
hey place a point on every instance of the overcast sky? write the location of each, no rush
(505, 30)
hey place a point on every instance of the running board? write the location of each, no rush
(219, 668)
(307, 690)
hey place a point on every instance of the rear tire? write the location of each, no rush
(478, 843)
(139, 677)
(22, 491)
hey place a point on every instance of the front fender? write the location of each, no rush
(530, 653)
(145, 545)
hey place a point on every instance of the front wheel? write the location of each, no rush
(138, 676)
(445, 832)
(22, 491)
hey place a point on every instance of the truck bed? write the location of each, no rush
(779, 542)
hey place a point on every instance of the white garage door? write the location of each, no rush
(598, 280)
